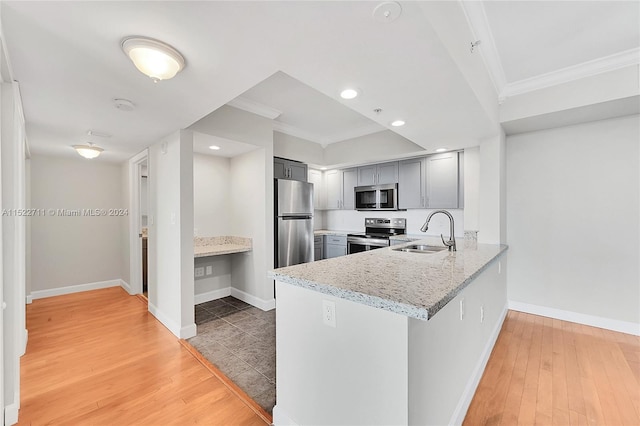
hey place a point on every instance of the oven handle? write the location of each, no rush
(368, 241)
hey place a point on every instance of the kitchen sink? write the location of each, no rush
(421, 248)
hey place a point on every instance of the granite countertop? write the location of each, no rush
(215, 246)
(327, 232)
(417, 285)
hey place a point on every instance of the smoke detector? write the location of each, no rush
(387, 11)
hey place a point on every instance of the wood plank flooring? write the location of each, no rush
(550, 372)
(100, 358)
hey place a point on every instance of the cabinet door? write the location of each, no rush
(315, 177)
(387, 173)
(349, 182)
(297, 171)
(442, 181)
(334, 250)
(279, 168)
(367, 175)
(411, 187)
(333, 189)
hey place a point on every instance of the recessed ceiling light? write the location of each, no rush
(397, 123)
(323, 168)
(152, 57)
(349, 93)
(441, 149)
(214, 147)
(89, 150)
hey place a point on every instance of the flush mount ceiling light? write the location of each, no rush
(214, 147)
(349, 94)
(397, 123)
(154, 58)
(89, 150)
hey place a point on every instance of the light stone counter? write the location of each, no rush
(417, 285)
(215, 246)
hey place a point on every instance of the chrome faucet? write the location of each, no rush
(452, 242)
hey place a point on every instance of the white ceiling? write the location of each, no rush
(67, 58)
(228, 147)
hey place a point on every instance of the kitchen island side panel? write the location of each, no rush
(448, 353)
(355, 373)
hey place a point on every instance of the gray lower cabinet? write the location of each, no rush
(318, 247)
(335, 246)
(289, 169)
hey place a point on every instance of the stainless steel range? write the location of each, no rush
(376, 235)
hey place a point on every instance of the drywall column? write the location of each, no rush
(471, 188)
(492, 207)
(13, 246)
(171, 282)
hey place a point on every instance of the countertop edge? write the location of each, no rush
(386, 304)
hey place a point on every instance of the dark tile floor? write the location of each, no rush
(240, 340)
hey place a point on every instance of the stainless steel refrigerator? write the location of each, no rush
(294, 222)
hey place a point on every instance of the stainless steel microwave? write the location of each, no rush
(377, 197)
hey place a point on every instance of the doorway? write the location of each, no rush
(139, 221)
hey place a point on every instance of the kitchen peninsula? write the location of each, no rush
(387, 336)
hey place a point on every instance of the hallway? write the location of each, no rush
(99, 357)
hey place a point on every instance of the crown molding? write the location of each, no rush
(255, 107)
(574, 72)
(479, 25)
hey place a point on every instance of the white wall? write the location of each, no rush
(573, 219)
(171, 281)
(248, 202)
(74, 250)
(471, 188)
(294, 148)
(211, 186)
(353, 220)
(370, 148)
(492, 191)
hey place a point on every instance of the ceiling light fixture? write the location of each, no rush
(441, 149)
(88, 151)
(397, 123)
(214, 147)
(349, 94)
(152, 57)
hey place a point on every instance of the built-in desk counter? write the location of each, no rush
(215, 246)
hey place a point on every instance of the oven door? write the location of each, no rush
(359, 244)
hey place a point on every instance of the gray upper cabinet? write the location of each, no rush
(339, 188)
(315, 177)
(378, 174)
(349, 182)
(288, 169)
(442, 181)
(411, 183)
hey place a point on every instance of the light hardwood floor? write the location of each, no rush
(550, 372)
(100, 358)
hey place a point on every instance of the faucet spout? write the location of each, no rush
(452, 242)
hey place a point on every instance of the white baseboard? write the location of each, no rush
(212, 295)
(265, 305)
(125, 285)
(590, 320)
(41, 294)
(29, 299)
(281, 419)
(185, 332)
(472, 384)
(11, 414)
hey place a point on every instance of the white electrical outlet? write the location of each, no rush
(199, 271)
(329, 313)
(209, 270)
(461, 309)
(481, 314)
